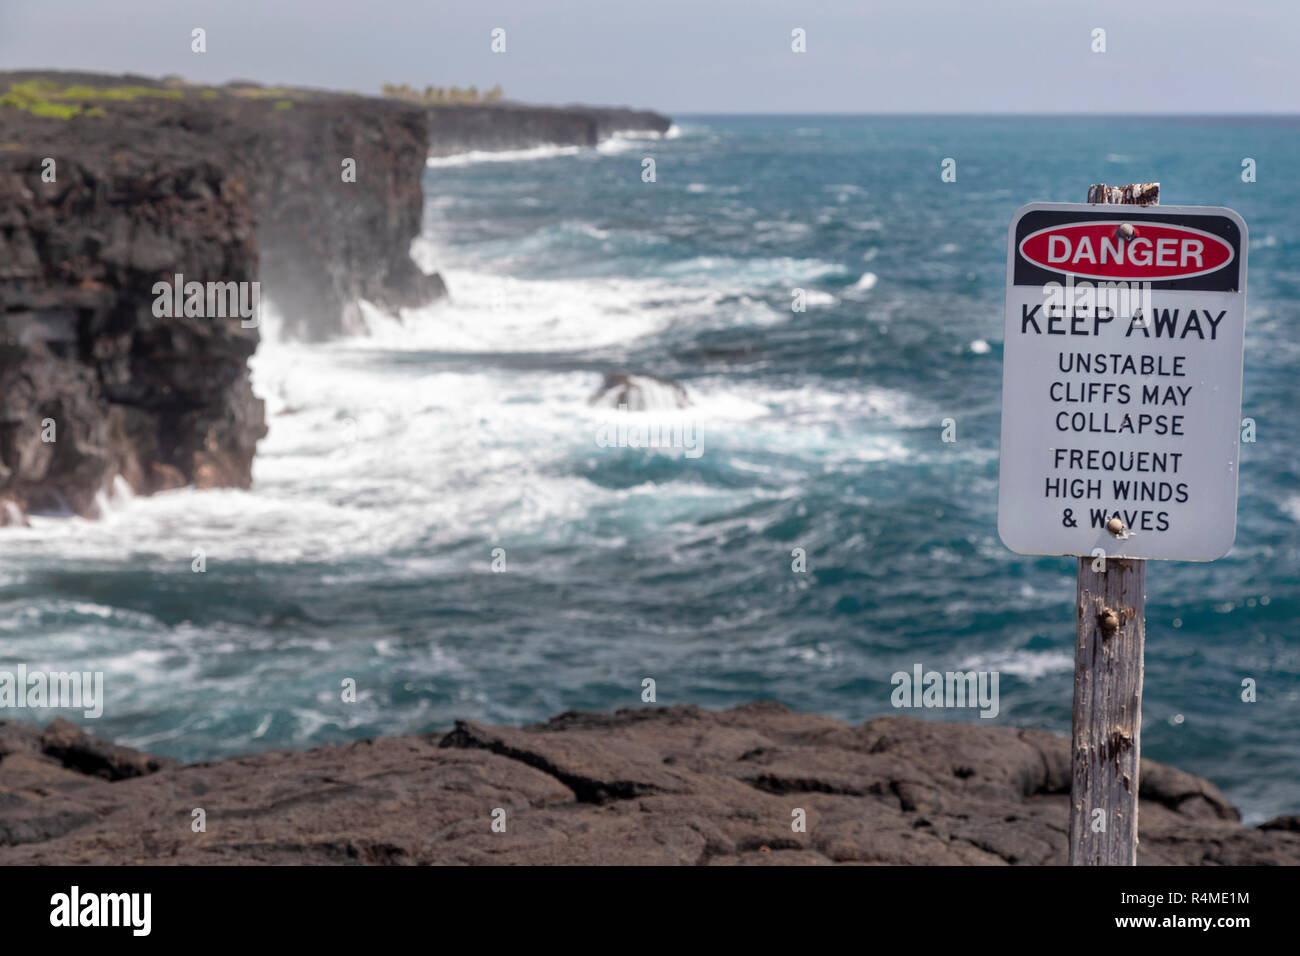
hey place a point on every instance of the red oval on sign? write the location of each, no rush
(1158, 250)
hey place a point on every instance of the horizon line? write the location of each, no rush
(992, 113)
(928, 112)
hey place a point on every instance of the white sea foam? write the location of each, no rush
(503, 156)
(489, 312)
(627, 140)
(366, 457)
(370, 455)
(1029, 665)
(494, 313)
(815, 297)
(780, 231)
(866, 282)
(749, 273)
(618, 141)
(809, 407)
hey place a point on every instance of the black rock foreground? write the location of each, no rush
(672, 785)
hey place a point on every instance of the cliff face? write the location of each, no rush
(316, 196)
(148, 182)
(671, 785)
(327, 243)
(323, 242)
(455, 129)
(93, 385)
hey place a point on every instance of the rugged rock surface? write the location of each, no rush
(83, 359)
(673, 785)
(322, 242)
(639, 393)
(496, 127)
(234, 184)
(326, 243)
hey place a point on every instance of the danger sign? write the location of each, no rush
(1094, 250)
(1121, 388)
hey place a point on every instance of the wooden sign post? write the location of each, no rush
(1109, 635)
(1121, 415)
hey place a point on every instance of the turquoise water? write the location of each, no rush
(397, 462)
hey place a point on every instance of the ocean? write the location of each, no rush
(436, 517)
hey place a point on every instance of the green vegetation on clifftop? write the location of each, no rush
(47, 98)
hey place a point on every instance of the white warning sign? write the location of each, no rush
(1121, 387)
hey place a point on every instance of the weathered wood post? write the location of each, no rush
(1110, 631)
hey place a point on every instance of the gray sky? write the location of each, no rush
(1227, 56)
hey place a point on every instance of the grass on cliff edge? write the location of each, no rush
(47, 98)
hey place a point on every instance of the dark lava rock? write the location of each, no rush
(217, 186)
(639, 393)
(231, 184)
(671, 785)
(83, 359)
(77, 750)
(322, 243)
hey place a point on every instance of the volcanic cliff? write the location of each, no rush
(109, 185)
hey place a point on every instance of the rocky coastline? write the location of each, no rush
(509, 126)
(650, 786)
(111, 184)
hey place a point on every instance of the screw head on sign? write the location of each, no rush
(1126, 231)
(1115, 526)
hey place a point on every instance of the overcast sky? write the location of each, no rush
(1226, 56)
